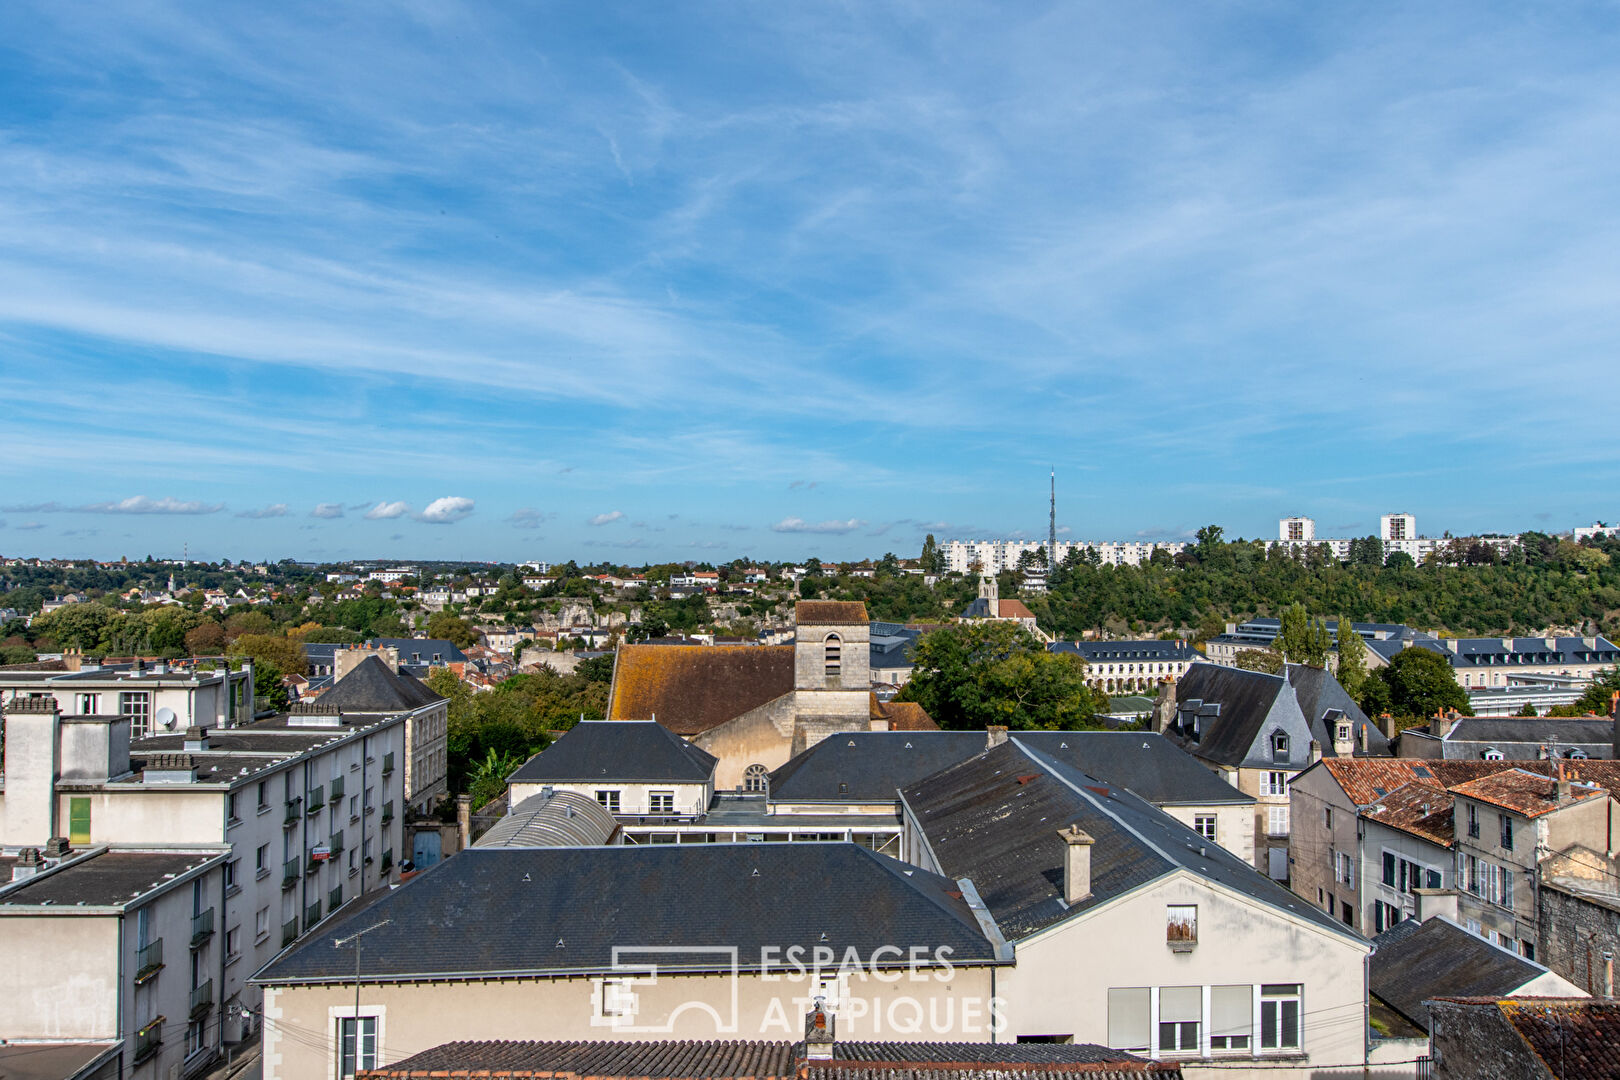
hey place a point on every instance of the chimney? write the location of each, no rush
(995, 735)
(1164, 708)
(1561, 788)
(879, 723)
(1608, 973)
(1316, 751)
(464, 820)
(1427, 903)
(27, 865)
(1076, 864)
(72, 658)
(820, 1032)
(57, 848)
(196, 739)
(1343, 740)
(1437, 725)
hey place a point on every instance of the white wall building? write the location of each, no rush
(994, 556)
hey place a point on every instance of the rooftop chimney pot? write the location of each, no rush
(1076, 864)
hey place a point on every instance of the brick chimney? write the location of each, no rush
(1076, 864)
(820, 1032)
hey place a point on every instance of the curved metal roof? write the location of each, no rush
(558, 819)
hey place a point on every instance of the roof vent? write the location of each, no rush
(755, 873)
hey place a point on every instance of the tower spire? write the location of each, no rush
(1051, 537)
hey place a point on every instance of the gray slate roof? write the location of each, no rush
(1144, 761)
(1237, 711)
(1108, 652)
(1521, 738)
(419, 651)
(995, 818)
(372, 687)
(111, 879)
(624, 750)
(1413, 962)
(553, 911)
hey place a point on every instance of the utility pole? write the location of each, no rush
(338, 944)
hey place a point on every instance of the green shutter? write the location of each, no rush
(78, 820)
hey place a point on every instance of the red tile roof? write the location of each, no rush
(903, 715)
(1420, 809)
(1524, 792)
(1013, 609)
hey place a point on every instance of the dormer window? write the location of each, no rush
(1492, 754)
(1279, 746)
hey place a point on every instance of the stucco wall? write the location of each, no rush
(760, 736)
(59, 978)
(1234, 825)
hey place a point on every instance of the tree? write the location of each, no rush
(1599, 697)
(268, 691)
(208, 639)
(930, 558)
(1301, 639)
(452, 628)
(1527, 710)
(1352, 658)
(286, 654)
(1420, 683)
(972, 675)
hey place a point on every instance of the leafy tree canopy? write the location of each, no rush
(973, 675)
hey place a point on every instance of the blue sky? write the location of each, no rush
(654, 281)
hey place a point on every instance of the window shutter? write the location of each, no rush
(1128, 1018)
(1231, 1010)
(78, 820)
(1180, 1004)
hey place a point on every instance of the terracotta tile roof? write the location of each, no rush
(1013, 609)
(1420, 809)
(1368, 780)
(1571, 1036)
(903, 715)
(829, 612)
(1524, 792)
(690, 690)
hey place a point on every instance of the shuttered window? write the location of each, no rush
(1231, 1017)
(1128, 1018)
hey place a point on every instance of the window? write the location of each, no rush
(609, 799)
(1527, 949)
(615, 998)
(756, 778)
(230, 873)
(1492, 754)
(352, 1057)
(1128, 1018)
(261, 923)
(1507, 832)
(1343, 868)
(1279, 1016)
(1279, 746)
(194, 1037)
(79, 820)
(661, 802)
(1473, 821)
(1181, 924)
(264, 794)
(1274, 783)
(1204, 825)
(354, 807)
(1231, 1017)
(261, 859)
(832, 650)
(1389, 868)
(137, 705)
(233, 941)
(1276, 821)
(85, 704)
(230, 808)
(1181, 1011)
(1327, 816)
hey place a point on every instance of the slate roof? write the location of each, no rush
(1524, 792)
(1236, 709)
(1524, 736)
(1108, 652)
(995, 819)
(690, 690)
(53, 1061)
(372, 687)
(829, 612)
(1245, 699)
(1413, 962)
(550, 911)
(870, 766)
(110, 879)
(625, 750)
(699, 1060)
(410, 648)
(1319, 694)
(1145, 762)
(1571, 1037)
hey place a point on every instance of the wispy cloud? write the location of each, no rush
(387, 511)
(605, 519)
(274, 510)
(140, 504)
(799, 525)
(526, 517)
(447, 510)
(29, 526)
(327, 510)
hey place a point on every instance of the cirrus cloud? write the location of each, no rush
(385, 511)
(605, 519)
(799, 525)
(447, 510)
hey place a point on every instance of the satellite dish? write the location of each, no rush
(166, 718)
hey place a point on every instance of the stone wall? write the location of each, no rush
(1573, 935)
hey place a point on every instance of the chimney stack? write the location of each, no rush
(1427, 903)
(1316, 751)
(820, 1032)
(196, 739)
(27, 865)
(464, 820)
(995, 735)
(1076, 864)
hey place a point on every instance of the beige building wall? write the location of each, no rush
(1315, 872)
(635, 799)
(1234, 825)
(59, 978)
(761, 736)
(1060, 983)
(301, 1022)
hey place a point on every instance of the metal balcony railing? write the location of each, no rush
(148, 1039)
(337, 789)
(148, 960)
(312, 914)
(202, 927)
(289, 932)
(202, 998)
(293, 810)
(317, 799)
(388, 763)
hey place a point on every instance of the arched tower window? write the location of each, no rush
(833, 655)
(755, 778)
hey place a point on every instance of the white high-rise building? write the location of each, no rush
(1397, 527)
(1296, 529)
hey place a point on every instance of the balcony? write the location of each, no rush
(388, 811)
(202, 927)
(148, 1039)
(148, 961)
(335, 899)
(336, 846)
(312, 914)
(387, 860)
(337, 789)
(317, 799)
(388, 763)
(202, 999)
(289, 932)
(293, 810)
(289, 874)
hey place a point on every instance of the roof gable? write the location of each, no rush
(1413, 962)
(371, 686)
(690, 689)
